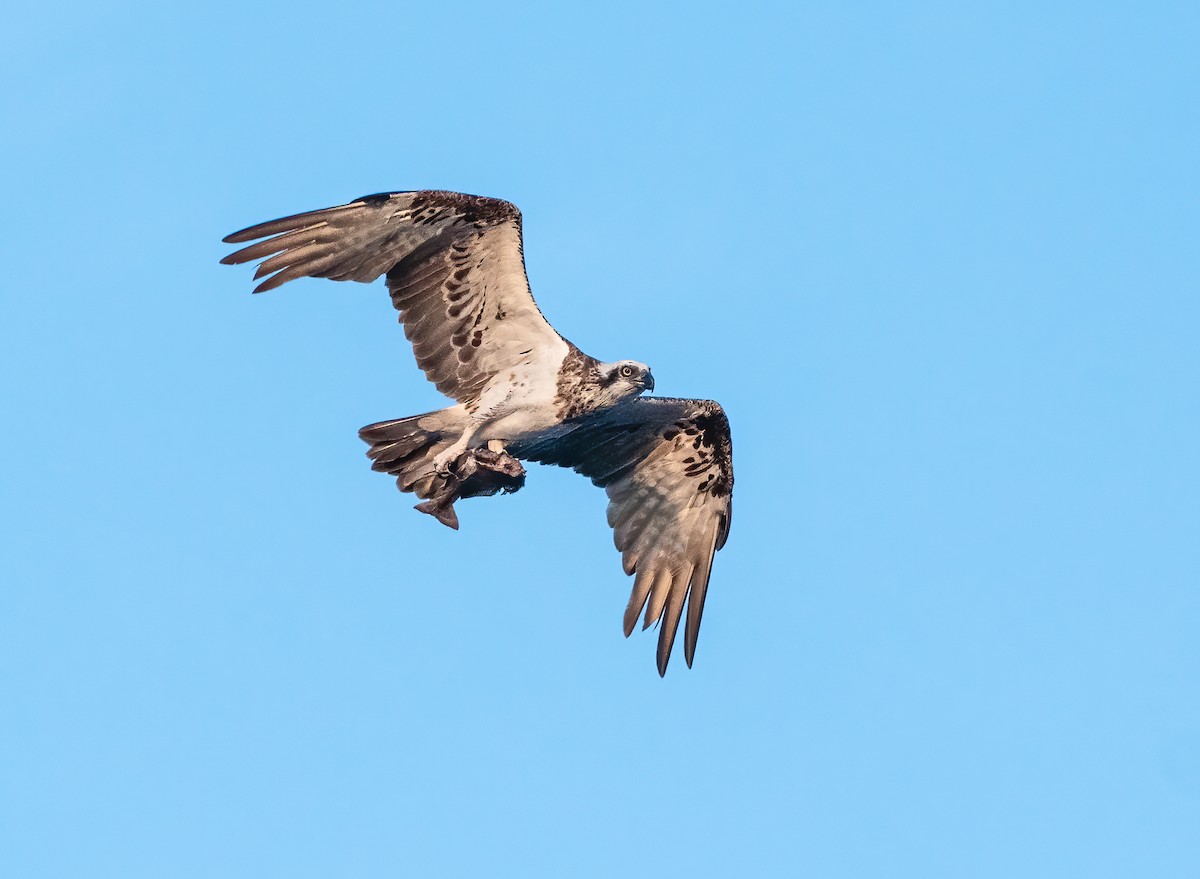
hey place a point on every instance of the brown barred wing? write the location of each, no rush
(454, 267)
(667, 466)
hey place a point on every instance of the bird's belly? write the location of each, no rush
(520, 422)
(520, 404)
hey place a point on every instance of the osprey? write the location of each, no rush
(456, 273)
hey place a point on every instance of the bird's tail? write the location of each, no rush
(406, 447)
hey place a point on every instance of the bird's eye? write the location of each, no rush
(626, 371)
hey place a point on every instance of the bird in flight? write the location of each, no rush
(455, 268)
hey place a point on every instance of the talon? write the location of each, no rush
(443, 460)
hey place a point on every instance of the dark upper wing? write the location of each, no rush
(454, 267)
(667, 466)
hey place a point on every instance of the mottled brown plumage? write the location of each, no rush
(454, 267)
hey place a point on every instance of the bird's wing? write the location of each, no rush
(454, 267)
(667, 466)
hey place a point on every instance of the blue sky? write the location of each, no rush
(938, 264)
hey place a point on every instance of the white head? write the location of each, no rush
(624, 380)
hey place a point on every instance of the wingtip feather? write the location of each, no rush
(670, 626)
(697, 592)
(269, 284)
(637, 599)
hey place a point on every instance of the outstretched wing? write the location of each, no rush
(667, 466)
(454, 267)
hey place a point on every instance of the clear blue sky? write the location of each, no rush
(938, 264)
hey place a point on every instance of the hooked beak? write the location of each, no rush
(648, 382)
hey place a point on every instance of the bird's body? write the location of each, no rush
(455, 270)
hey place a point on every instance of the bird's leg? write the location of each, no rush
(496, 446)
(443, 459)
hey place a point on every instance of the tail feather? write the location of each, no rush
(405, 447)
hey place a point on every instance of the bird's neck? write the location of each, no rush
(582, 386)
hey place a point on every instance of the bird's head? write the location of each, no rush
(625, 379)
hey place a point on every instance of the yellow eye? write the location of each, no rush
(626, 371)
